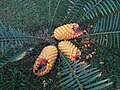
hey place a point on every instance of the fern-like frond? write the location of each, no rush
(76, 77)
(12, 43)
(110, 39)
(74, 7)
(99, 8)
(107, 23)
(56, 9)
(11, 37)
(83, 10)
(107, 30)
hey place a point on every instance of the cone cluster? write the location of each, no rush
(49, 54)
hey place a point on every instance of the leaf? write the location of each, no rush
(107, 24)
(12, 42)
(107, 31)
(56, 9)
(11, 37)
(109, 39)
(82, 10)
(77, 79)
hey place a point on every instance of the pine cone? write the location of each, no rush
(70, 50)
(45, 60)
(67, 31)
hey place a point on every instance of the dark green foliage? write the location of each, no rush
(11, 37)
(85, 10)
(76, 77)
(18, 75)
(111, 67)
(38, 17)
(111, 39)
(28, 81)
(104, 15)
(12, 42)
